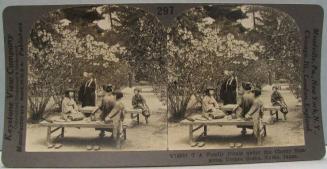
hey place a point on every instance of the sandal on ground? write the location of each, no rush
(89, 147)
(194, 144)
(201, 144)
(238, 145)
(96, 148)
(57, 146)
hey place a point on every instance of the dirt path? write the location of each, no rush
(152, 136)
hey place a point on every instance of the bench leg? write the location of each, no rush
(205, 132)
(243, 132)
(138, 118)
(277, 118)
(62, 132)
(190, 136)
(48, 139)
(125, 133)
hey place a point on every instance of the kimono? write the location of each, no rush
(87, 93)
(138, 102)
(255, 113)
(278, 100)
(210, 107)
(70, 110)
(246, 103)
(228, 91)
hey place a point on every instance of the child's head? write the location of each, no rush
(274, 88)
(137, 91)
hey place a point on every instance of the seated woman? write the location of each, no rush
(256, 112)
(278, 100)
(69, 107)
(139, 102)
(246, 100)
(210, 105)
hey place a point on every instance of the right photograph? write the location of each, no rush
(234, 78)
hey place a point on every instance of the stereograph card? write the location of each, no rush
(118, 85)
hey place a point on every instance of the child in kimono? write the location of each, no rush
(138, 102)
(69, 107)
(278, 100)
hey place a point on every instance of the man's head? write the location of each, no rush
(85, 74)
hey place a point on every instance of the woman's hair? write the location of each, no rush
(256, 92)
(118, 95)
(67, 92)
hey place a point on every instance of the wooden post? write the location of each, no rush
(62, 132)
(48, 135)
(138, 118)
(190, 134)
(205, 128)
(277, 115)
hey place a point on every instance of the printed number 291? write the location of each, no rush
(166, 10)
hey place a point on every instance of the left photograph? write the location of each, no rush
(97, 81)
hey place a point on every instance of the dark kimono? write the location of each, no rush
(228, 91)
(87, 93)
(276, 98)
(138, 102)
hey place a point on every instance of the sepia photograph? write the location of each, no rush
(95, 81)
(114, 78)
(236, 80)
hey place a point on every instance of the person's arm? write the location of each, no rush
(254, 108)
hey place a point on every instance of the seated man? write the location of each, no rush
(256, 112)
(69, 107)
(278, 100)
(107, 104)
(246, 100)
(210, 105)
(116, 116)
(139, 102)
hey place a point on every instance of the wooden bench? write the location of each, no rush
(199, 124)
(135, 114)
(55, 126)
(273, 110)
